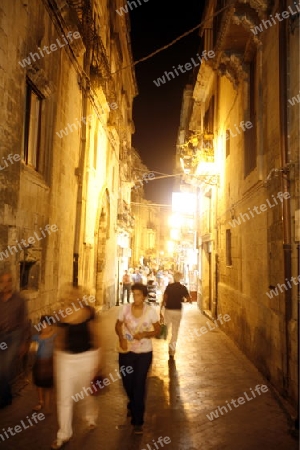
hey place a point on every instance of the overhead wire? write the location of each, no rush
(174, 41)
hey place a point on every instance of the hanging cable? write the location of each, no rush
(165, 47)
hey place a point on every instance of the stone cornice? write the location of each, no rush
(247, 23)
(260, 6)
(40, 80)
(224, 27)
(233, 68)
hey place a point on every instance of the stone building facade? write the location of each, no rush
(149, 237)
(144, 236)
(240, 150)
(66, 118)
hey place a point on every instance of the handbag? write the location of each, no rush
(96, 388)
(119, 348)
(163, 334)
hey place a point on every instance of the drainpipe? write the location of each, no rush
(80, 170)
(298, 318)
(285, 182)
(260, 132)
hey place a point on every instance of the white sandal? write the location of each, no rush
(58, 443)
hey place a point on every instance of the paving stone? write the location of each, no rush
(208, 371)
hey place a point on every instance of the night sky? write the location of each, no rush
(156, 110)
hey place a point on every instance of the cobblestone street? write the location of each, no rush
(208, 371)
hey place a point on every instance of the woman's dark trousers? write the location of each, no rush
(135, 382)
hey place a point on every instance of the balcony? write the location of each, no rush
(99, 68)
(231, 29)
(231, 37)
(199, 151)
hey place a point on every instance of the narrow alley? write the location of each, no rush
(150, 152)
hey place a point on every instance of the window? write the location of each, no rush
(208, 39)
(209, 210)
(32, 128)
(209, 117)
(29, 275)
(228, 248)
(250, 134)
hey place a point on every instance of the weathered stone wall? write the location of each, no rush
(76, 184)
(258, 323)
(34, 198)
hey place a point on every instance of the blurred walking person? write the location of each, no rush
(174, 295)
(137, 276)
(126, 286)
(14, 334)
(77, 360)
(42, 370)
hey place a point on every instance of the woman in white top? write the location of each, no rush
(136, 325)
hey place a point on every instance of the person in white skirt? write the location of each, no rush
(77, 360)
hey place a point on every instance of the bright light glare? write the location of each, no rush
(174, 234)
(175, 221)
(206, 168)
(170, 247)
(184, 203)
